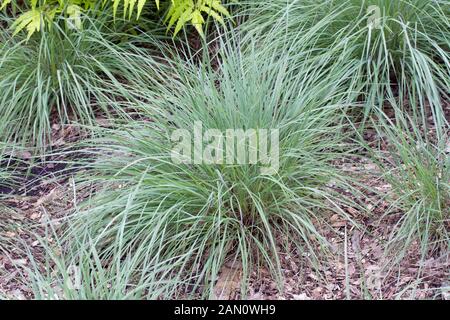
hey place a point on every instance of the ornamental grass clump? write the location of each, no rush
(416, 165)
(63, 76)
(181, 219)
(400, 45)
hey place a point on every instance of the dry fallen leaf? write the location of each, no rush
(21, 262)
(46, 198)
(302, 296)
(228, 283)
(35, 216)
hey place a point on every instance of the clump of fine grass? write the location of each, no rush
(63, 75)
(83, 274)
(177, 223)
(417, 166)
(400, 58)
(405, 47)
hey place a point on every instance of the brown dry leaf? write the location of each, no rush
(301, 296)
(10, 234)
(256, 296)
(356, 241)
(373, 277)
(317, 293)
(103, 122)
(337, 221)
(35, 216)
(24, 155)
(46, 198)
(21, 262)
(60, 142)
(351, 269)
(228, 283)
(371, 167)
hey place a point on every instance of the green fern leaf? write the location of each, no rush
(30, 20)
(198, 21)
(4, 4)
(184, 18)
